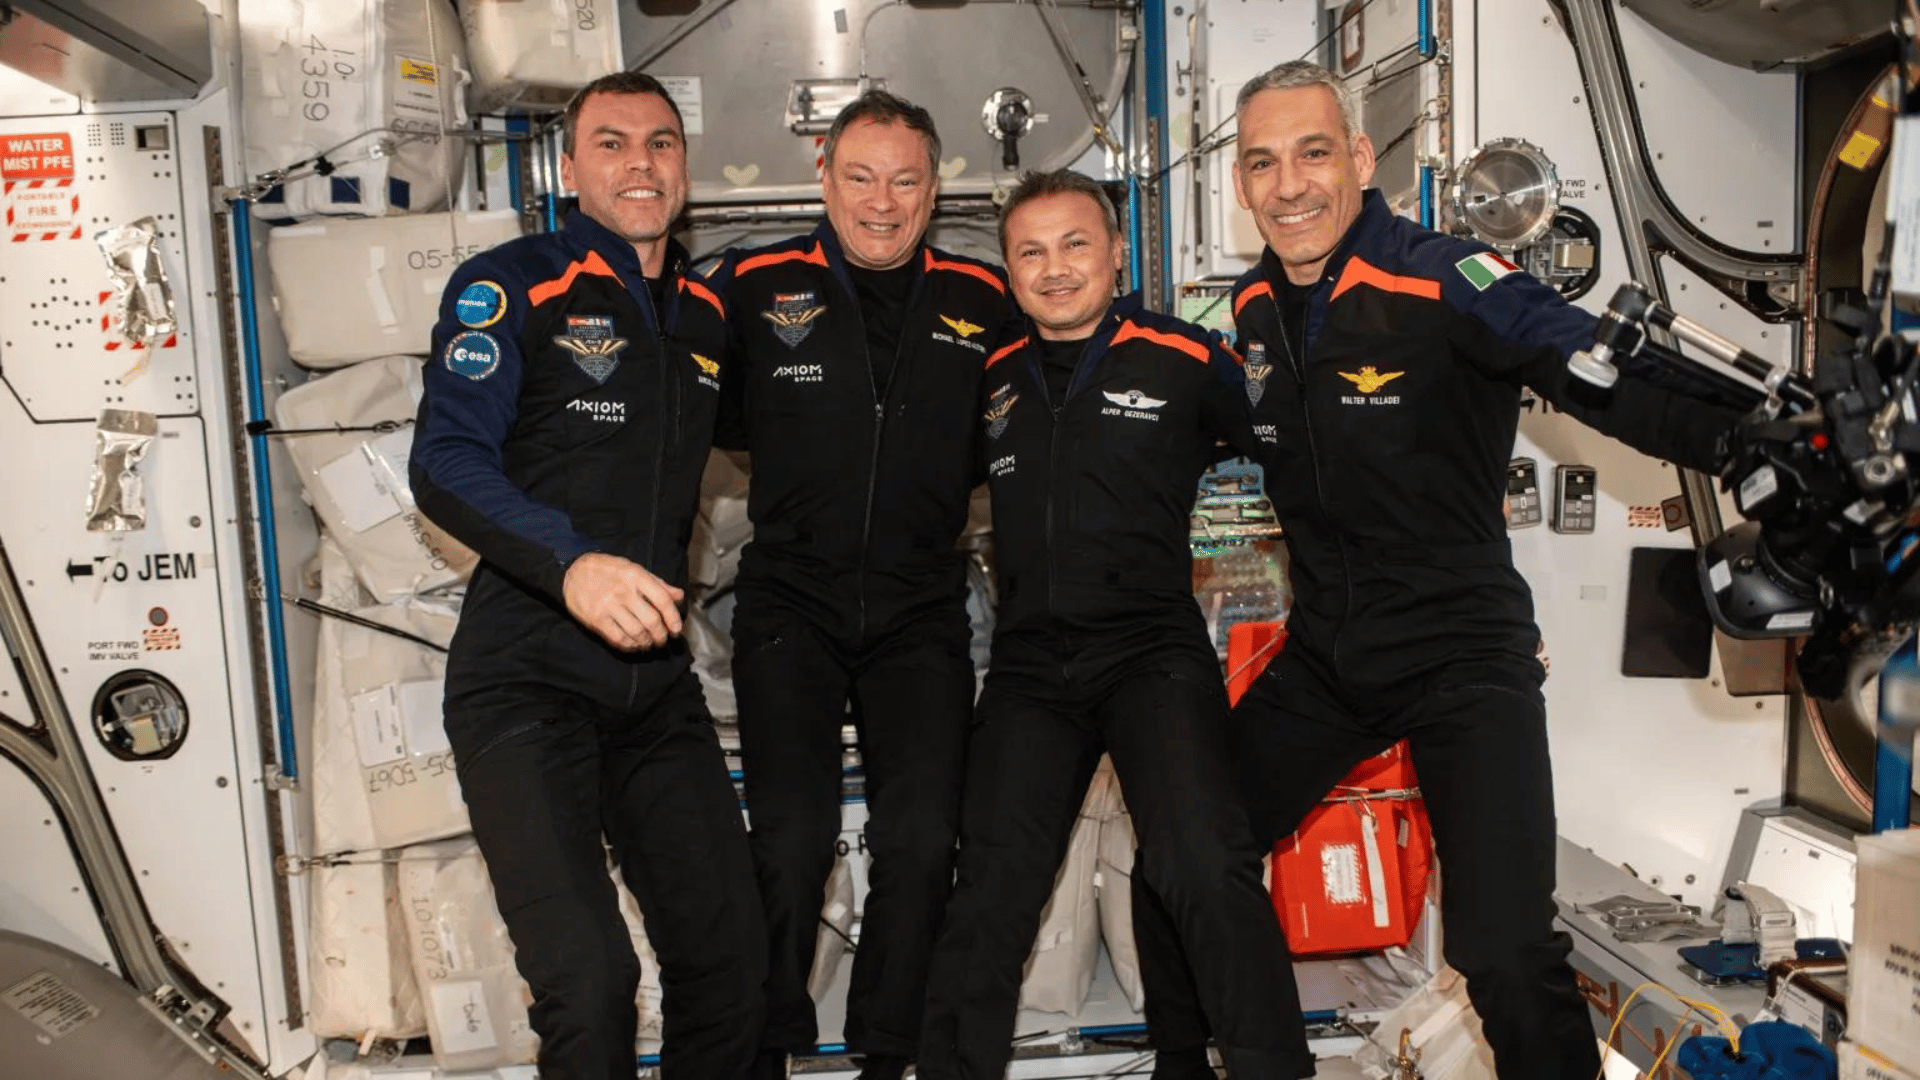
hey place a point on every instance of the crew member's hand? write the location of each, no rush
(622, 601)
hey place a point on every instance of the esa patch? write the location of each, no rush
(480, 305)
(473, 354)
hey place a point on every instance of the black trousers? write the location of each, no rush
(546, 774)
(912, 696)
(1034, 748)
(1477, 730)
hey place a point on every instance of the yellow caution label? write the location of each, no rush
(418, 72)
(1860, 149)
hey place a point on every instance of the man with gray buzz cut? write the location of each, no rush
(1387, 429)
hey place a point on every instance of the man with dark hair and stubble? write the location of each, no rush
(1098, 424)
(565, 420)
(1384, 367)
(858, 356)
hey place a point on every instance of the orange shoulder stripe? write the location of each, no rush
(774, 258)
(1132, 330)
(1006, 351)
(1360, 272)
(691, 286)
(967, 268)
(592, 264)
(1264, 288)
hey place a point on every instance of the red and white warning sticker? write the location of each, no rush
(37, 174)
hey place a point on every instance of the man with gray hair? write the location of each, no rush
(860, 350)
(1386, 433)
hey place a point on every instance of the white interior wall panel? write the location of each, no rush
(1651, 773)
(1723, 140)
(178, 818)
(168, 598)
(50, 900)
(68, 178)
(1241, 40)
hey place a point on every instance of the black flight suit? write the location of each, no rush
(1387, 417)
(1099, 646)
(852, 593)
(568, 410)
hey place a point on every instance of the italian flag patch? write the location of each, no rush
(1484, 269)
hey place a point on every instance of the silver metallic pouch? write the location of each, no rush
(142, 299)
(119, 500)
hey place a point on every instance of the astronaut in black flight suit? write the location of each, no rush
(859, 350)
(1099, 424)
(1384, 365)
(563, 427)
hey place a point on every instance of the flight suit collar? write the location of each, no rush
(1118, 312)
(585, 234)
(1374, 215)
(836, 256)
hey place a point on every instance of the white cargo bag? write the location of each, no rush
(357, 480)
(1440, 1024)
(1883, 985)
(360, 981)
(650, 996)
(382, 774)
(463, 959)
(1060, 969)
(835, 940)
(372, 85)
(1113, 881)
(348, 291)
(533, 54)
(720, 532)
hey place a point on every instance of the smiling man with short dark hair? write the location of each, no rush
(563, 428)
(1098, 425)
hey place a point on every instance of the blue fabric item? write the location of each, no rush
(343, 189)
(1818, 948)
(1724, 961)
(399, 194)
(1769, 1050)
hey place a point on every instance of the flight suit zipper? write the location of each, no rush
(1056, 412)
(895, 376)
(670, 423)
(1297, 364)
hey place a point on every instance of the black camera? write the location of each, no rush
(1821, 470)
